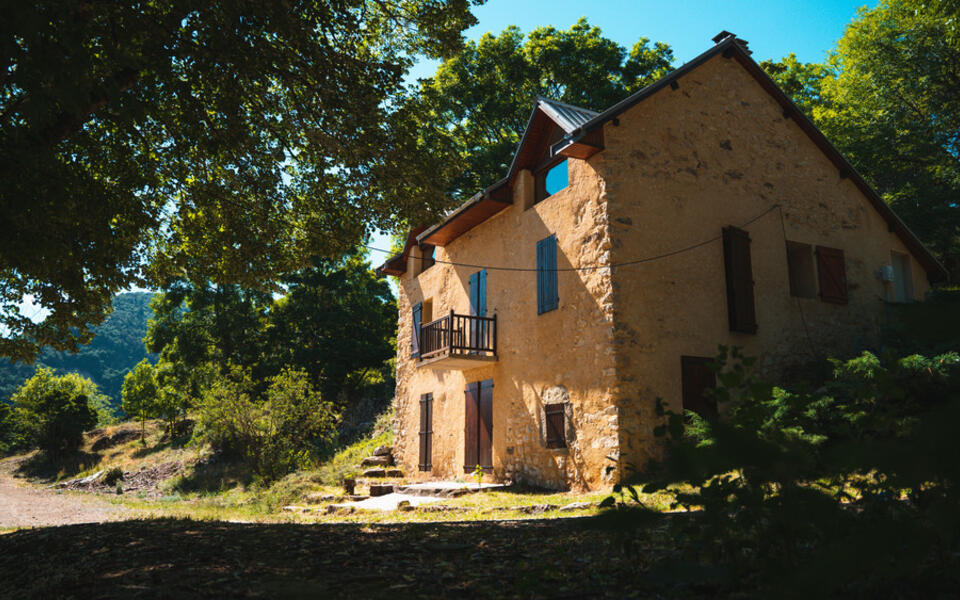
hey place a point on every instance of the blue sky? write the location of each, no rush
(808, 28)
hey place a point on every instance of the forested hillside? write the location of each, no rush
(115, 349)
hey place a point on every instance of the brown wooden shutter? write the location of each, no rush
(741, 311)
(470, 427)
(485, 435)
(426, 432)
(555, 425)
(696, 379)
(832, 270)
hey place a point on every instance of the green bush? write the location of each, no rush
(852, 489)
(275, 432)
(52, 412)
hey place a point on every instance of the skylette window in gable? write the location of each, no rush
(552, 179)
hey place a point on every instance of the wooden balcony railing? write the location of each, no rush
(463, 335)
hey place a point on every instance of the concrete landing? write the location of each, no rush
(387, 502)
(417, 494)
(445, 489)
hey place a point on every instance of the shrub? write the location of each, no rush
(113, 476)
(275, 432)
(849, 490)
(53, 412)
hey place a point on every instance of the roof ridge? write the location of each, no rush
(566, 105)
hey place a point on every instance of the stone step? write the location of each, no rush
(379, 472)
(377, 461)
(383, 451)
(381, 489)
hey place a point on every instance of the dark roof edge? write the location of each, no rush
(474, 200)
(640, 95)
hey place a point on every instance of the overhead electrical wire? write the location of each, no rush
(586, 268)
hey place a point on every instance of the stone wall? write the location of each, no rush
(681, 165)
(565, 352)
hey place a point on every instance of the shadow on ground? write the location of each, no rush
(40, 467)
(171, 558)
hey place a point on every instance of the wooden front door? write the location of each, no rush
(697, 378)
(478, 426)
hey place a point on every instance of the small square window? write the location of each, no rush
(551, 180)
(423, 259)
(803, 281)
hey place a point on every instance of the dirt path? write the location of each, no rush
(22, 505)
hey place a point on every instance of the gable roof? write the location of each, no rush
(585, 134)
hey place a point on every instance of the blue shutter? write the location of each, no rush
(415, 338)
(474, 292)
(482, 293)
(547, 294)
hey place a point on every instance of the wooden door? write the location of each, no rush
(478, 426)
(426, 432)
(485, 422)
(697, 378)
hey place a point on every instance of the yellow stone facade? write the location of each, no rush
(674, 169)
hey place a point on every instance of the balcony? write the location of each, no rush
(458, 342)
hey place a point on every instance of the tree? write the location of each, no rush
(474, 109)
(803, 82)
(338, 318)
(231, 140)
(8, 439)
(140, 394)
(335, 318)
(53, 412)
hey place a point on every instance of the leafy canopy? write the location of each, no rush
(230, 140)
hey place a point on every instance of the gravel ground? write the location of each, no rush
(22, 505)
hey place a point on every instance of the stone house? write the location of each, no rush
(540, 321)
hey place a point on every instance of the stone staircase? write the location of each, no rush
(380, 466)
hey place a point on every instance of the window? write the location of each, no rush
(696, 380)
(741, 311)
(832, 272)
(427, 259)
(547, 295)
(902, 277)
(426, 313)
(426, 432)
(803, 283)
(551, 180)
(555, 421)
(416, 321)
